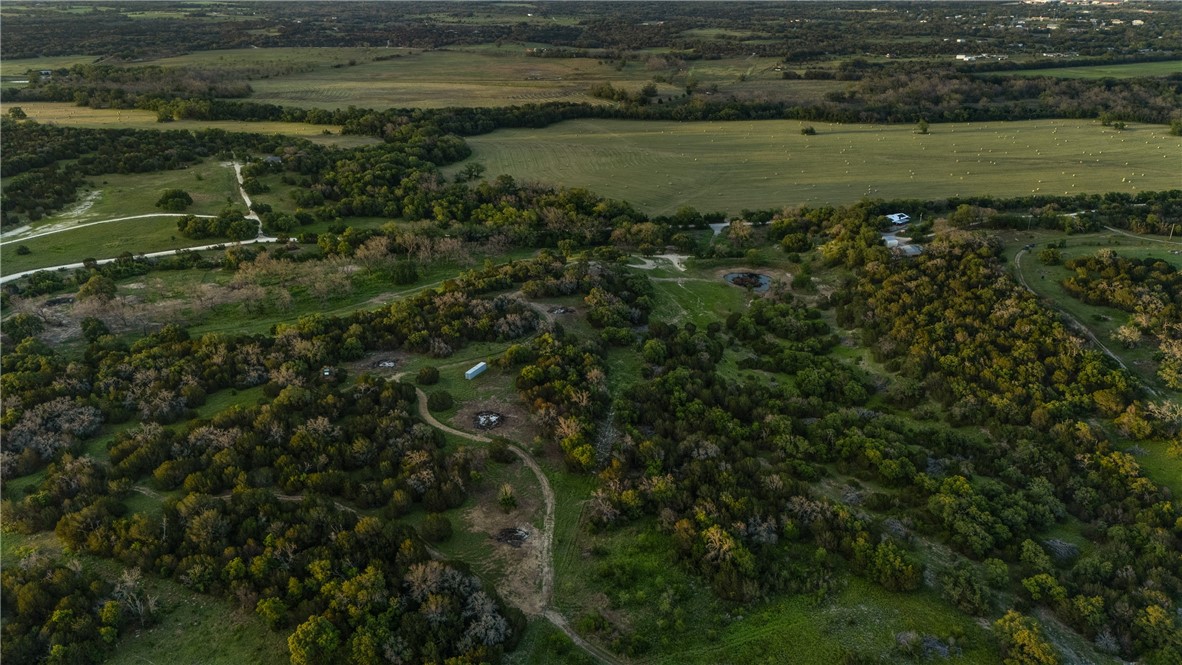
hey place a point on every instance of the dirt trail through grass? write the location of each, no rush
(545, 551)
(1077, 323)
(61, 228)
(250, 214)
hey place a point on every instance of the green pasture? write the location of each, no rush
(196, 628)
(1131, 70)
(1163, 467)
(211, 183)
(250, 59)
(99, 242)
(69, 115)
(661, 166)
(113, 196)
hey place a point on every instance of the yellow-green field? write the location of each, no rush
(1164, 68)
(660, 166)
(18, 68)
(69, 115)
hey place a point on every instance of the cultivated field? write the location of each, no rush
(1132, 70)
(490, 76)
(660, 166)
(69, 115)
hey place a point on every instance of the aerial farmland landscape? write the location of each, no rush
(632, 333)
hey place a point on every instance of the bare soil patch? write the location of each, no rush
(383, 363)
(520, 558)
(515, 423)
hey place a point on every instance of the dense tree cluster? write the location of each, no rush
(59, 612)
(980, 343)
(230, 223)
(1148, 289)
(564, 385)
(253, 522)
(798, 33)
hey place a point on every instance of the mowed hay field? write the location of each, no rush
(69, 115)
(488, 76)
(728, 166)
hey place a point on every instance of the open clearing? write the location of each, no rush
(211, 184)
(661, 166)
(1131, 70)
(69, 115)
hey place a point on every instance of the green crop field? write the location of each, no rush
(69, 115)
(660, 166)
(1164, 68)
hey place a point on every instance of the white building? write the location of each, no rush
(899, 218)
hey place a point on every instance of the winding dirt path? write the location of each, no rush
(547, 541)
(1079, 324)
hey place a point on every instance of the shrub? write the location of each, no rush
(440, 401)
(174, 200)
(436, 528)
(507, 497)
(428, 376)
(499, 451)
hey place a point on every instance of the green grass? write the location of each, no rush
(697, 300)
(660, 166)
(1162, 467)
(99, 242)
(224, 399)
(632, 582)
(18, 68)
(543, 644)
(1136, 69)
(197, 628)
(69, 115)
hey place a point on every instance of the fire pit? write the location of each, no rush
(488, 420)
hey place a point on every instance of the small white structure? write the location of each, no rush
(476, 370)
(899, 218)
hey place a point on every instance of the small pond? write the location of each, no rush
(760, 283)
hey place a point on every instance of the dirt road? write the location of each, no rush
(547, 540)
